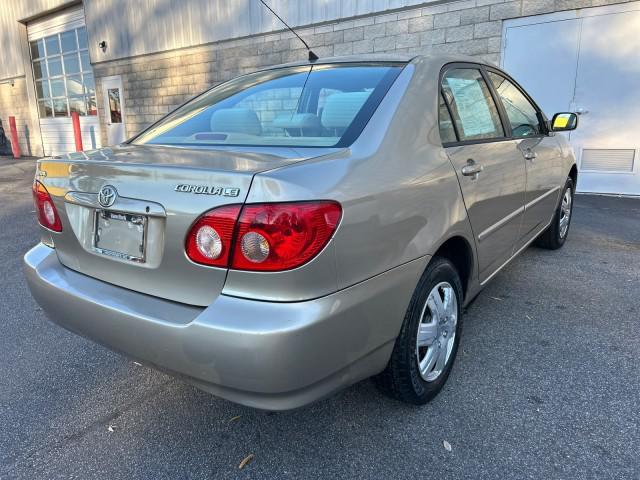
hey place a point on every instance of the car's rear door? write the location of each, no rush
(543, 158)
(489, 166)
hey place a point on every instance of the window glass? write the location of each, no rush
(522, 114)
(68, 40)
(82, 37)
(71, 63)
(53, 45)
(37, 48)
(57, 62)
(55, 66)
(45, 109)
(39, 69)
(447, 132)
(42, 89)
(474, 111)
(57, 87)
(115, 112)
(296, 106)
(60, 107)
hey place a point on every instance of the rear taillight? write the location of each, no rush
(268, 237)
(210, 239)
(46, 210)
(281, 236)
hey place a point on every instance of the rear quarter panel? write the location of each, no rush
(400, 196)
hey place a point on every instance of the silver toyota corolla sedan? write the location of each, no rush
(293, 231)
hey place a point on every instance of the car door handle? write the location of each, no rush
(472, 169)
(530, 154)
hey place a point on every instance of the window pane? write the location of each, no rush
(37, 48)
(74, 85)
(89, 84)
(522, 115)
(91, 105)
(71, 63)
(42, 89)
(86, 64)
(77, 104)
(82, 37)
(39, 69)
(68, 40)
(45, 109)
(115, 111)
(55, 66)
(57, 88)
(447, 132)
(60, 107)
(53, 45)
(474, 111)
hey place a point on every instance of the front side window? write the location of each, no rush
(523, 116)
(474, 112)
(62, 72)
(308, 106)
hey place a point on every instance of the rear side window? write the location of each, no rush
(309, 106)
(523, 116)
(474, 112)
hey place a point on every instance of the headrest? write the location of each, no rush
(341, 108)
(236, 120)
(297, 120)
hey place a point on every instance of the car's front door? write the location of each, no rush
(541, 152)
(489, 166)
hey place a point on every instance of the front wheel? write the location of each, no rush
(428, 341)
(555, 235)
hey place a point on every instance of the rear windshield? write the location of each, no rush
(309, 106)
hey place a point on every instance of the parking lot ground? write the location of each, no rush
(546, 384)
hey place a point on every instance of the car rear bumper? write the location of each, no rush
(268, 355)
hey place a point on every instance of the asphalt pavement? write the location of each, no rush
(546, 384)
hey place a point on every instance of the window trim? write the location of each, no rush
(506, 125)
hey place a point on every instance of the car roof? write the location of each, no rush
(384, 58)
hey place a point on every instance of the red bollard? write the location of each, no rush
(75, 118)
(15, 146)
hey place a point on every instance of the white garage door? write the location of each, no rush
(63, 80)
(587, 61)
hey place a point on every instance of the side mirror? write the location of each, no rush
(564, 122)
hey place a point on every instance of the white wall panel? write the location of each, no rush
(149, 26)
(11, 11)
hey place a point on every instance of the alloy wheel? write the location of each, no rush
(436, 331)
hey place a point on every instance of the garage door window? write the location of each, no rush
(62, 72)
(472, 107)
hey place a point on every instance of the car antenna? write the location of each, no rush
(312, 56)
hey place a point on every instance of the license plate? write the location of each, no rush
(120, 235)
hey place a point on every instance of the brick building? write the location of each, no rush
(123, 64)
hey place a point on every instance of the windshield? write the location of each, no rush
(308, 106)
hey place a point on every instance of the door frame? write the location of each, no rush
(104, 81)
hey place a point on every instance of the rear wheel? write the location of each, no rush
(428, 342)
(555, 236)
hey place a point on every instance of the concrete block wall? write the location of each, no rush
(14, 102)
(156, 84)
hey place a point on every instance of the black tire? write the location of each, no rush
(402, 379)
(552, 238)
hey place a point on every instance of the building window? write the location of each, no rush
(62, 73)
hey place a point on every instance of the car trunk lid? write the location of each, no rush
(134, 236)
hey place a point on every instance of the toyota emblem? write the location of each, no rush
(107, 196)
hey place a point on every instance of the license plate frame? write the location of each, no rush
(107, 242)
